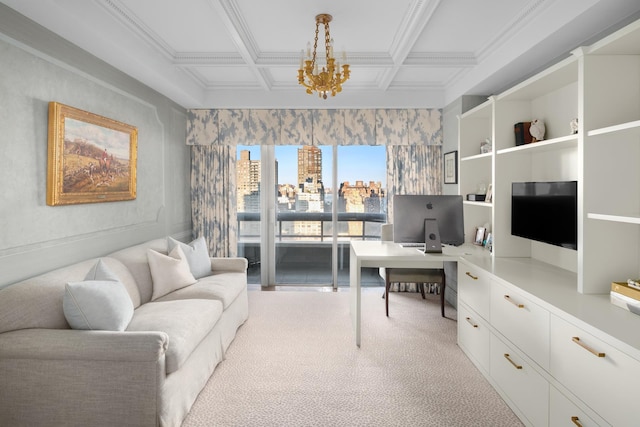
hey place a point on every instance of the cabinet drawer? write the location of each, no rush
(525, 387)
(473, 336)
(600, 375)
(473, 288)
(522, 322)
(564, 413)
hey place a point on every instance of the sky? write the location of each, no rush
(355, 163)
(116, 142)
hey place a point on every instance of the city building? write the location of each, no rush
(309, 164)
(248, 183)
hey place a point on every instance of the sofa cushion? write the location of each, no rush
(224, 287)
(186, 322)
(169, 272)
(97, 305)
(135, 259)
(197, 255)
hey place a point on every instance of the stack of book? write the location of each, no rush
(626, 295)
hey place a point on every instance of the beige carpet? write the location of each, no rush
(295, 363)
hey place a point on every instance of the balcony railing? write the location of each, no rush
(324, 219)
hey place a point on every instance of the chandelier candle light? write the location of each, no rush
(330, 79)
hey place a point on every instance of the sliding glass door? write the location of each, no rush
(304, 228)
(294, 222)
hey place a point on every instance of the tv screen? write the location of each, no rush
(410, 212)
(546, 212)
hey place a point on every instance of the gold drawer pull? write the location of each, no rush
(586, 347)
(576, 421)
(515, 365)
(508, 298)
(471, 275)
(471, 322)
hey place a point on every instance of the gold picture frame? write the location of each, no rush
(91, 159)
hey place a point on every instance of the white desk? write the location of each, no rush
(374, 253)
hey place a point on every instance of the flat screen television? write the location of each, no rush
(410, 212)
(546, 212)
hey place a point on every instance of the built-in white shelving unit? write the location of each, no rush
(600, 86)
(536, 319)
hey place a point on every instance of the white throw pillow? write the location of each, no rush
(169, 273)
(100, 271)
(97, 305)
(197, 255)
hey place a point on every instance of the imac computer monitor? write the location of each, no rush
(410, 213)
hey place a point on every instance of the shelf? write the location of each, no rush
(630, 126)
(629, 219)
(555, 77)
(568, 141)
(483, 204)
(476, 157)
(482, 111)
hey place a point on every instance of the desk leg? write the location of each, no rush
(355, 294)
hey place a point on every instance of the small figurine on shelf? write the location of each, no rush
(485, 146)
(537, 130)
(574, 126)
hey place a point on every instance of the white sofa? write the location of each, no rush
(148, 374)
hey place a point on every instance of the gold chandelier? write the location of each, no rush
(329, 79)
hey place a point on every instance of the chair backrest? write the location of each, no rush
(386, 232)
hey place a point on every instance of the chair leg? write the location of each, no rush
(387, 283)
(443, 286)
(421, 288)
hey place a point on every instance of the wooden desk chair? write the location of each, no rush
(419, 276)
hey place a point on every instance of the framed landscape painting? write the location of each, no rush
(91, 158)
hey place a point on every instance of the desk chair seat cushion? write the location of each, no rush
(414, 275)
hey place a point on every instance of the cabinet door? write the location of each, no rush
(522, 322)
(524, 386)
(564, 413)
(473, 337)
(473, 288)
(603, 377)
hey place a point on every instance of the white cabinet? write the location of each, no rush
(473, 336)
(474, 288)
(473, 312)
(521, 321)
(603, 377)
(558, 351)
(523, 385)
(563, 412)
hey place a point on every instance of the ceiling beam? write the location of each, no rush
(238, 30)
(414, 22)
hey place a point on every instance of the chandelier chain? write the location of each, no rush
(315, 44)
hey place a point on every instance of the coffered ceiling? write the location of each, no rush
(402, 53)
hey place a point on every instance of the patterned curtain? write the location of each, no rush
(213, 201)
(412, 169)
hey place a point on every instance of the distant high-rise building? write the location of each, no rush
(309, 164)
(360, 198)
(248, 183)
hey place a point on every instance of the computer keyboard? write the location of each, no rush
(412, 245)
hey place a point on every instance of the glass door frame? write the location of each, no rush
(269, 224)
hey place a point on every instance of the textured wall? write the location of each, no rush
(38, 67)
